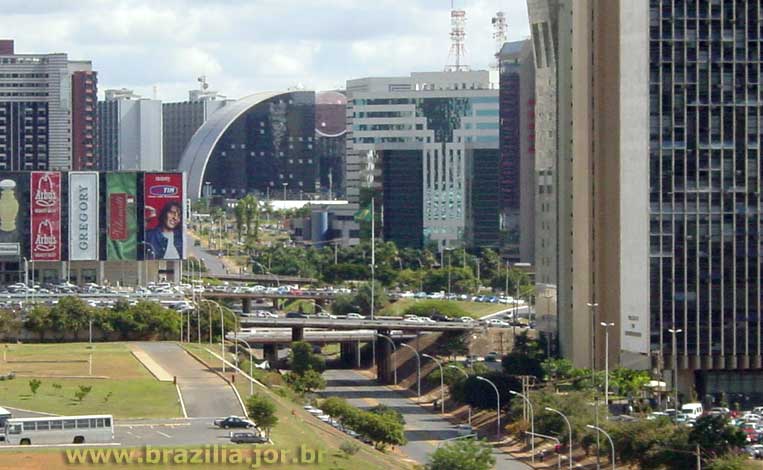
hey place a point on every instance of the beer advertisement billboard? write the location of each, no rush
(14, 213)
(83, 216)
(163, 215)
(45, 201)
(121, 216)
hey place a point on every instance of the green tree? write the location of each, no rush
(628, 382)
(10, 324)
(82, 391)
(465, 454)
(383, 430)
(385, 410)
(309, 381)
(34, 384)
(38, 320)
(731, 462)
(302, 359)
(262, 411)
(363, 297)
(715, 436)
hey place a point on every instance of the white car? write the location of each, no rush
(467, 320)
(325, 315)
(355, 316)
(497, 323)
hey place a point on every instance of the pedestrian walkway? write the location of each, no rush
(159, 372)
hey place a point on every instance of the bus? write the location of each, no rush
(59, 430)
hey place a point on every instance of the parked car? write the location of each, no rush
(355, 316)
(464, 430)
(295, 315)
(491, 356)
(247, 438)
(233, 422)
(325, 315)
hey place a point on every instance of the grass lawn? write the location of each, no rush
(128, 391)
(474, 309)
(296, 427)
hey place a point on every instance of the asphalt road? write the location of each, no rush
(423, 429)
(205, 394)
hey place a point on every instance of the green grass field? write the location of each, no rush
(474, 309)
(128, 391)
(296, 427)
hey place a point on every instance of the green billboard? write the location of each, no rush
(121, 216)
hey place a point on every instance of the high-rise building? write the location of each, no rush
(46, 102)
(181, 120)
(517, 144)
(439, 114)
(655, 184)
(330, 140)
(403, 201)
(129, 132)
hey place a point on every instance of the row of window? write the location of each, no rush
(60, 424)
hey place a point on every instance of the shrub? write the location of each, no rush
(349, 448)
(34, 384)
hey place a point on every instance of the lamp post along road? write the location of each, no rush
(497, 406)
(611, 444)
(418, 367)
(606, 326)
(569, 429)
(532, 422)
(442, 383)
(466, 376)
(251, 369)
(394, 357)
(674, 332)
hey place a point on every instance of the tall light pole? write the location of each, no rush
(466, 376)
(394, 357)
(251, 369)
(442, 383)
(606, 326)
(532, 421)
(284, 190)
(674, 332)
(497, 406)
(611, 444)
(593, 306)
(569, 429)
(418, 367)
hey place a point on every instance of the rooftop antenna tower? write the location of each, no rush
(457, 36)
(499, 34)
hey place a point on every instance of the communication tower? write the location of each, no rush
(457, 36)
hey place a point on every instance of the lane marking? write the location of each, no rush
(182, 403)
(163, 434)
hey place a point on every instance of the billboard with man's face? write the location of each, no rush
(121, 216)
(14, 214)
(163, 200)
(46, 216)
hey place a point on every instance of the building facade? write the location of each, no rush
(517, 145)
(44, 113)
(328, 225)
(129, 132)
(438, 114)
(657, 178)
(84, 120)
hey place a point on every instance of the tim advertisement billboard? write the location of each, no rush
(163, 215)
(121, 216)
(14, 213)
(45, 202)
(83, 216)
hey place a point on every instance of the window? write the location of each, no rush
(83, 424)
(69, 424)
(43, 425)
(29, 426)
(56, 425)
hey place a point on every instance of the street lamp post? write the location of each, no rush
(569, 429)
(284, 190)
(611, 444)
(394, 357)
(418, 367)
(442, 383)
(606, 326)
(497, 406)
(532, 421)
(467, 377)
(674, 332)
(251, 361)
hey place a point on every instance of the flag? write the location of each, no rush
(364, 214)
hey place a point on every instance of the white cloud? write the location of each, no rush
(245, 46)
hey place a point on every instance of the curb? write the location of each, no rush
(219, 374)
(182, 403)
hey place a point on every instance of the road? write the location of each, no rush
(212, 262)
(423, 429)
(205, 394)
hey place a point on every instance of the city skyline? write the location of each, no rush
(243, 48)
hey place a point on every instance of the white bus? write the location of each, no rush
(59, 430)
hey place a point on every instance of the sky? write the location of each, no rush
(248, 46)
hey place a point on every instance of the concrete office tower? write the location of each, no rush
(657, 182)
(130, 132)
(517, 145)
(84, 118)
(182, 120)
(43, 114)
(439, 114)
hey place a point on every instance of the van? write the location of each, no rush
(692, 410)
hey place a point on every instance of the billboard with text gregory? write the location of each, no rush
(45, 201)
(121, 216)
(14, 214)
(163, 215)
(83, 216)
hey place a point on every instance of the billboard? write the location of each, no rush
(163, 212)
(45, 201)
(14, 213)
(83, 216)
(121, 216)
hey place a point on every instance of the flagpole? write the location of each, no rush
(373, 272)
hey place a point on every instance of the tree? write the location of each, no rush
(731, 462)
(309, 381)
(34, 384)
(628, 382)
(38, 320)
(385, 410)
(715, 436)
(263, 412)
(302, 359)
(383, 430)
(82, 392)
(481, 394)
(10, 324)
(363, 297)
(466, 454)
